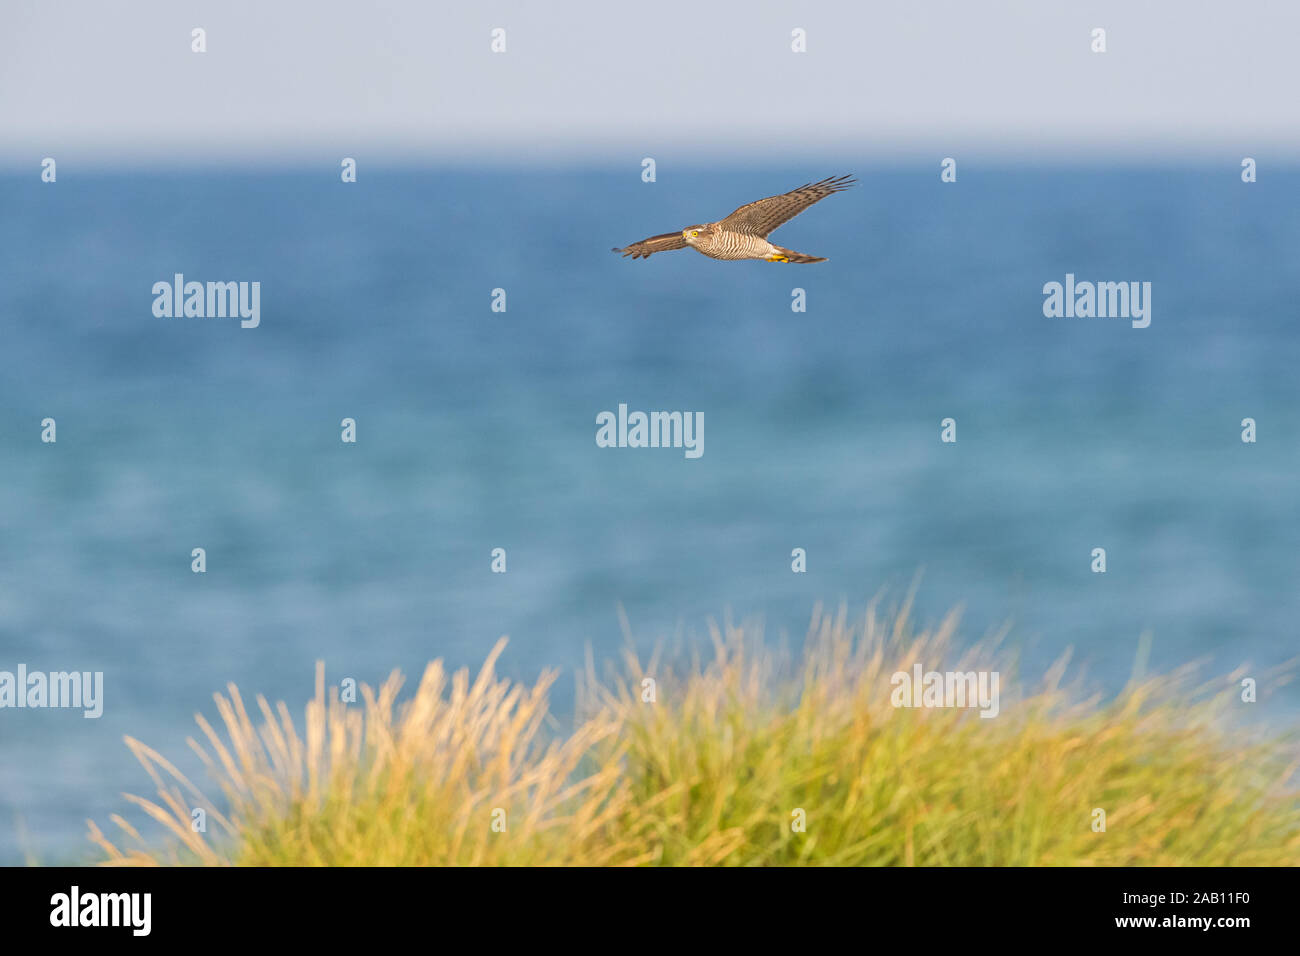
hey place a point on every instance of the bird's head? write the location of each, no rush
(691, 233)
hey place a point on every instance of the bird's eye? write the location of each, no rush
(695, 232)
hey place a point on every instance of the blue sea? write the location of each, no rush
(476, 430)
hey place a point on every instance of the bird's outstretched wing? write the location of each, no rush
(648, 247)
(762, 216)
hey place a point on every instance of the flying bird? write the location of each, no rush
(743, 234)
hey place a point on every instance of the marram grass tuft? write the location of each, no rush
(747, 758)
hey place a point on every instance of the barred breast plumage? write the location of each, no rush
(725, 244)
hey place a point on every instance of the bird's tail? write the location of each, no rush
(789, 255)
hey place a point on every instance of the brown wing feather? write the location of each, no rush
(762, 216)
(648, 247)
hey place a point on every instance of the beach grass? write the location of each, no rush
(747, 755)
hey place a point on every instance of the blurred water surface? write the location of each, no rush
(476, 430)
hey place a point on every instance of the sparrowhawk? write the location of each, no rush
(743, 234)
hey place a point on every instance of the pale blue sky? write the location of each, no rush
(93, 81)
